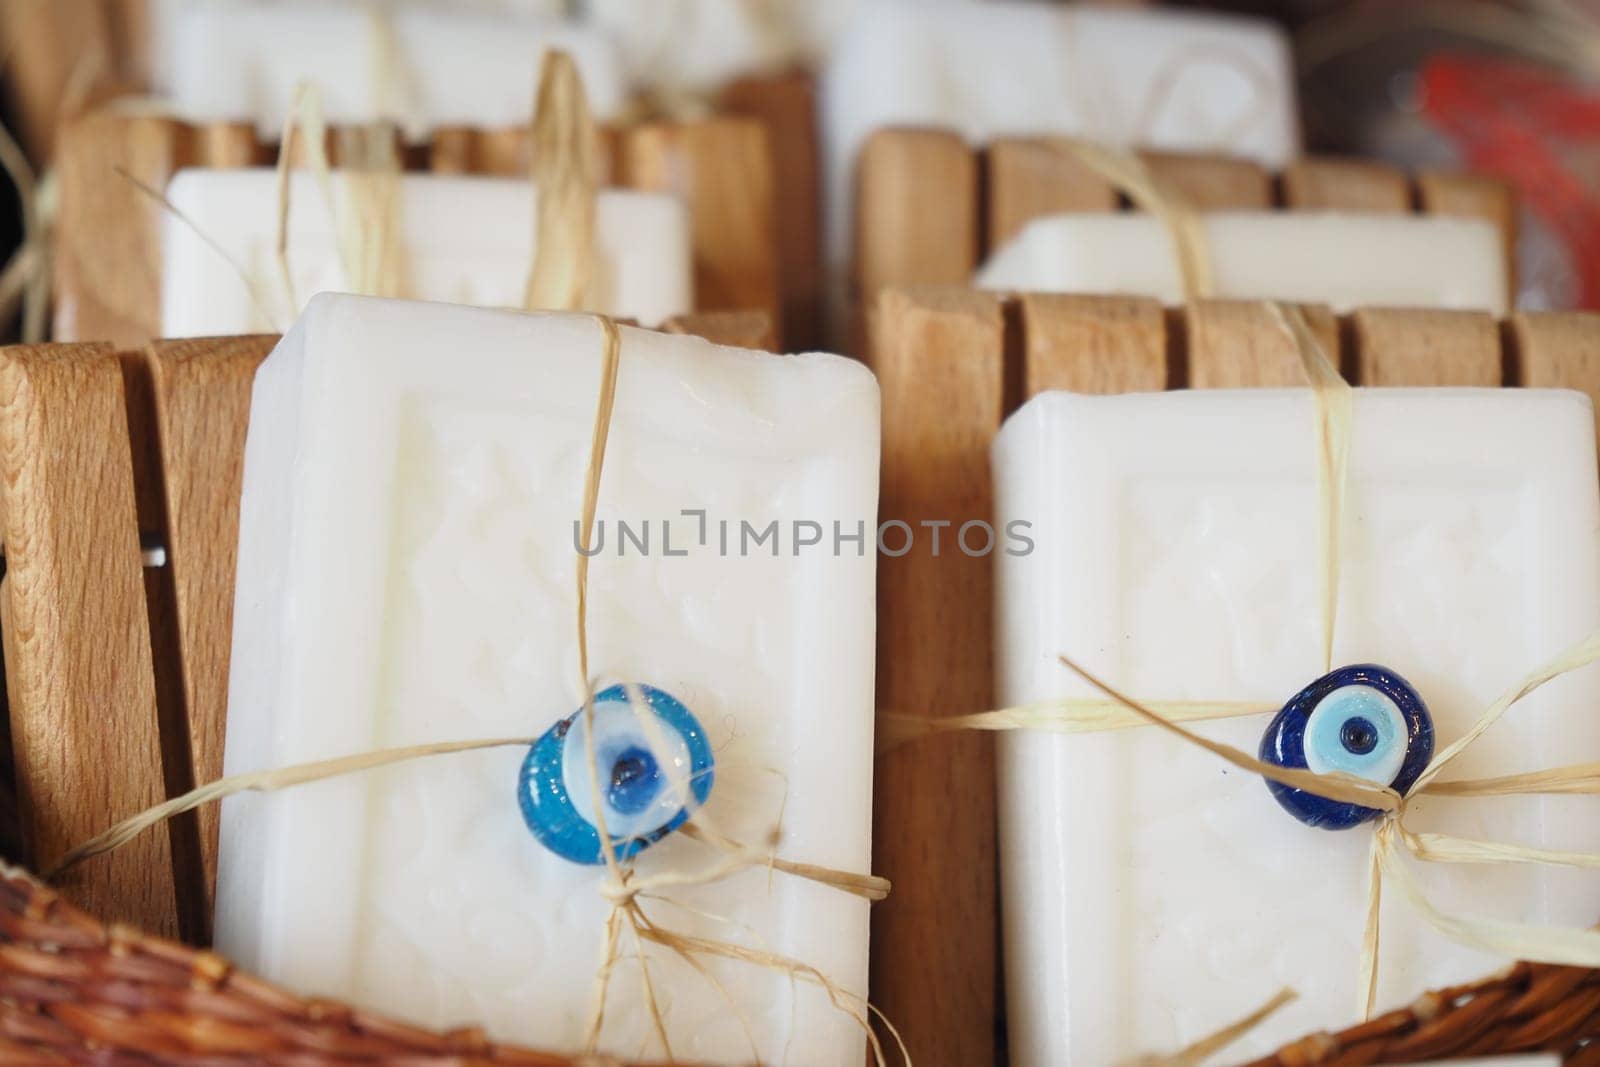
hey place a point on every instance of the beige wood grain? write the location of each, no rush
(1559, 350)
(108, 247)
(1093, 344)
(939, 360)
(740, 329)
(722, 168)
(916, 217)
(229, 145)
(452, 150)
(505, 153)
(1237, 344)
(1426, 347)
(785, 104)
(1346, 185)
(1213, 183)
(79, 677)
(202, 407)
(1032, 177)
(501, 152)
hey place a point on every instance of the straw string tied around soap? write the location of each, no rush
(1333, 414)
(623, 887)
(565, 172)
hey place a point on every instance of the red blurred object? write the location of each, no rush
(1536, 129)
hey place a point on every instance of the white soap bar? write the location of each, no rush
(466, 240)
(162, 17)
(698, 45)
(1344, 260)
(1152, 893)
(420, 67)
(406, 575)
(1145, 77)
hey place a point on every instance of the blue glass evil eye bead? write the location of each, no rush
(644, 774)
(1363, 720)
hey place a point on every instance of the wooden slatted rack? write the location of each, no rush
(930, 208)
(116, 673)
(952, 363)
(732, 169)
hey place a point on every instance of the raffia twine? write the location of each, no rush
(565, 170)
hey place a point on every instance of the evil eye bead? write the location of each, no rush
(1365, 721)
(653, 774)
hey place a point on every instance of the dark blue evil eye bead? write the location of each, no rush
(644, 774)
(1364, 720)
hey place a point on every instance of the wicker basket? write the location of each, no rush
(74, 990)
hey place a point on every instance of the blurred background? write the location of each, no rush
(1504, 87)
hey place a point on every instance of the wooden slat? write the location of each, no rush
(229, 145)
(939, 363)
(786, 105)
(79, 672)
(162, 615)
(108, 249)
(1214, 183)
(1406, 347)
(1560, 350)
(1093, 344)
(740, 329)
(1237, 344)
(1473, 195)
(502, 152)
(1030, 177)
(202, 407)
(1346, 185)
(722, 167)
(916, 219)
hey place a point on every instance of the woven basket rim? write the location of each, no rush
(72, 986)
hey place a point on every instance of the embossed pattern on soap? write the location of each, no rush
(457, 879)
(1171, 593)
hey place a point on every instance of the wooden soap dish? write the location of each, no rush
(117, 673)
(733, 169)
(952, 364)
(930, 208)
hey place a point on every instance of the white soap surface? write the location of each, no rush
(1341, 259)
(699, 45)
(467, 240)
(412, 477)
(1125, 76)
(416, 65)
(1152, 893)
